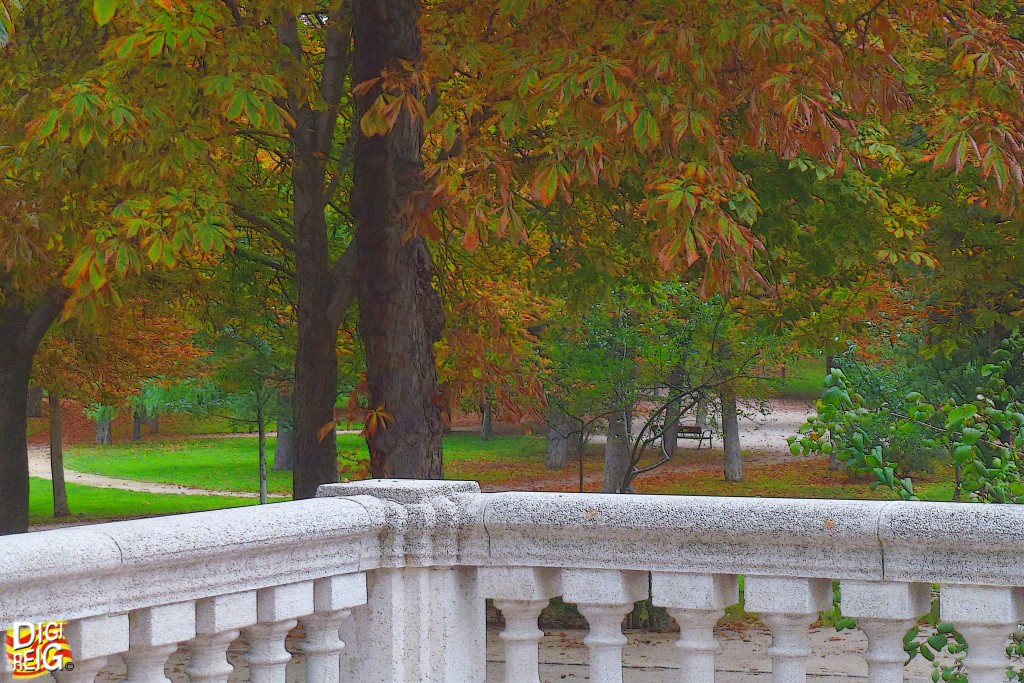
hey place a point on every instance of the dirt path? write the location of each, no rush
(762, 439)
(39, 466)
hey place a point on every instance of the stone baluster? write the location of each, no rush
(218, 622)
(277, 611)
(885, 612)
(604, 597)
(986, 616)
(153, 635)
(6, 675)
(520, 593)
(333, 598)
(789, 606)
(697, 602)
(92, 641)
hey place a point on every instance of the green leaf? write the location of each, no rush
(103, 10)
(971, 435)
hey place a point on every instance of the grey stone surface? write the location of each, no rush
(805, 538)
(953, 543)
(118, 567)
(649, 658)
(403, 491)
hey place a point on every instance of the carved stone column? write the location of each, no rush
(520, 593)
(697, 602)
(604, 597)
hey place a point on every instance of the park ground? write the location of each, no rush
(196, 464)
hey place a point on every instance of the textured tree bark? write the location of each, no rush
(670, 438)
(104, 435)
(321, 305)
(400, 314)
(616, 452)
(284, 448)
(35, 401)
(731, 435)
(15, 369)
(60, 491)
(261, 425)
(486, 421)
(702, 414)
(21, 331)
(137, 417)
(565, 439)
(834, 463)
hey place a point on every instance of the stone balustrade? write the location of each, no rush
(384, 581)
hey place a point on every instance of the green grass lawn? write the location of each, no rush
(230, 464)
(805, 378)
(221, 464)
(90, 503)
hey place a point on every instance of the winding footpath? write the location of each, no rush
(764, 435)
(39, 466)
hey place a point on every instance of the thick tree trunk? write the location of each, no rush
(565, 439)
(35, 401)
(316, 360)
(731, 435)
(400, 314)
(616, 452)
(322, 286)
(486, 421)
(104, 434)
(15, 370)
(21, 331)
(261, 424)
(60, 491)
(284, 449)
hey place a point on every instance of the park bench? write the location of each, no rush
(695, 433)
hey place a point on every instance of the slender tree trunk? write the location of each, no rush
(284, 449)
(702, 414)
(400, 314)
(616, 452)
(261, 424)
(486, 421)
(137, 423)
(35, 400)
(60, 491)
(104, 434)
(834, 463)
(565, 439)
(21, 331)
(670, 437)
(731, 435)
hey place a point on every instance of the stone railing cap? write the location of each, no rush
(402, 491)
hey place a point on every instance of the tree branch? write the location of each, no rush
(43, 315)
(261, 222)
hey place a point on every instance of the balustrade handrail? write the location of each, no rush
(120, 566)
(411, 562)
